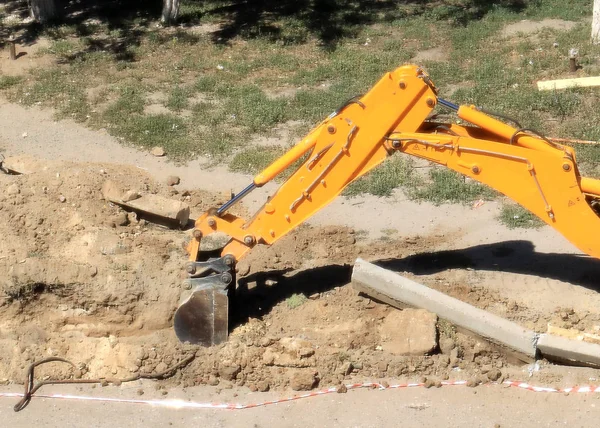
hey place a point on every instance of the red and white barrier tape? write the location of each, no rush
(181, 404)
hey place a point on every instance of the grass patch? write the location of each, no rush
(515, 216)
(178, 99)
(295, 301)
(393, 173)
(447, 186)
(254, 159)
(9, 81)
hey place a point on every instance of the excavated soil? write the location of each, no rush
(87, 282)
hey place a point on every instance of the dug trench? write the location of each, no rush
(88, 282)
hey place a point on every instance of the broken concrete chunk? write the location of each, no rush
(156, 206)
(162, 207)
(409, 332)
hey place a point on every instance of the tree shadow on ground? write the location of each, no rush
(127, 16)
(511, 256)
(293, 21)
(287, 21)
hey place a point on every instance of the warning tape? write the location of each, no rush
(181, 404)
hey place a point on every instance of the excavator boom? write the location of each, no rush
(392, 117)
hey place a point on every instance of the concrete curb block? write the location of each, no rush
(398, 291)
(569, 351)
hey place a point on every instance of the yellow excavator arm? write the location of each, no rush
(392, 117)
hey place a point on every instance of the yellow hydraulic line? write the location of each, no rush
(590, 186)
(501, 129)
(287, 159)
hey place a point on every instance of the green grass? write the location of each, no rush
(515, 216)
(447, 186)
(393, 173)
(295, 301)
(254, 159)
(7, 82)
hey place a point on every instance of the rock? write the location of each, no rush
(62, 199)
(409, 332)
(173, 180)
(447, 345)
(132, 217)
(157, 151)
(263, 386)
(303, 380)
(213, 381)
(341, 389)
(229, 372)
(346, 368)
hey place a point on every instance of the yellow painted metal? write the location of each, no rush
(590, 186)
(392, 116)
(538, 180)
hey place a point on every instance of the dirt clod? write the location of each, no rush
(173, 180)
(303, 380)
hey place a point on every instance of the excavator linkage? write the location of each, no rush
(392, 117)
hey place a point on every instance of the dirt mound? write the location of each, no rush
(87, 282)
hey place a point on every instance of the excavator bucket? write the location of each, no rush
(202, 317)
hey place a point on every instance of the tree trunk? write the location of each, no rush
(46, 10)
(596, 23)
(170, 11)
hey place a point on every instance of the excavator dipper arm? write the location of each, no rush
(392, 116)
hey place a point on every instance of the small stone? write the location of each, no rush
(140, 392)
(382, 366)
(213, 381)
(157, 151)
(62, 198)
(303, 380)
(173, 180)
(93, 271)
(351, 239)
(341, 389)
(132, 217)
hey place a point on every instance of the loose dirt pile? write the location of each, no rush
(85, 281)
